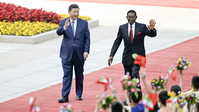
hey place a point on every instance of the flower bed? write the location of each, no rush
(25, 28)
(12, 13)
(21, 21)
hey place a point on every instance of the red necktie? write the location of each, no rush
(131, 34)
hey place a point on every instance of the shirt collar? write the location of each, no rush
(74, 21)
(133, 25)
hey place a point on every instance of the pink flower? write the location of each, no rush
(124, 82)
(188, 98)
(129, 77)
(129, 83)
(132, 90)
(136, 90)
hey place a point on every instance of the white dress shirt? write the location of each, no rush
(75, 24)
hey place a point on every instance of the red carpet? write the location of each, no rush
(164, 3)
(158, 63)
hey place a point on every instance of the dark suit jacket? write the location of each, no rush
(137, 46)
(81, 40)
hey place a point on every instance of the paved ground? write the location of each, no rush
(25, 68)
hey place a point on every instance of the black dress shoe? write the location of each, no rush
(79, 98)
(63, 99)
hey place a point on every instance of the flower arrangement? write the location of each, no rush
(157, 84)
(25, 28)
(171, 94)
(130, 84)
(66, 108)
(182, 64)
(21, 21)
(107, 100)
(191, 98)
(181, 102)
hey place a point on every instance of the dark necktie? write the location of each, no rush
(131, 34)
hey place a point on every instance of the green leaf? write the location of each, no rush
(136, 94)
(134, 55)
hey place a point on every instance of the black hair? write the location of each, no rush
(133, 97)
(116, 107)
(197, 106)
(176, 89)
(131, 11)
(155, 109)
(163, 96)
(195, 82)
(73, 6)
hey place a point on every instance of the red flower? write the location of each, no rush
(11, 12)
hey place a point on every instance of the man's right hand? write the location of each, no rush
(110, 60)
(67, 23)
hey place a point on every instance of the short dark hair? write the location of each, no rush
(131, 11)
(176, 89)
(195, 82)
(163, 96)
(73, 6)
(133, 97)
(116, 107)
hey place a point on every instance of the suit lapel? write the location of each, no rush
(136, 31)
(126, 32)
(78, 26)
(70, 28)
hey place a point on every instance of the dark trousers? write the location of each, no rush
(68, 75)
(133, 70)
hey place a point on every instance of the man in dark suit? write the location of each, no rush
(74, 51)
(133, 35)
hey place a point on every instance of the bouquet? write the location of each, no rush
(66, 108)
(191, 97)
(182, 64)
(107, 100)
(157, 84)
(181, 101)
(130, 84)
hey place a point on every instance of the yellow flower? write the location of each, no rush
(104, 101)
(169, 93)
(180, 60)
(192, 90)
(178, 105)
(189, 64)
(25, 28)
